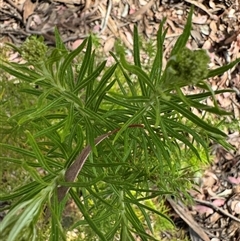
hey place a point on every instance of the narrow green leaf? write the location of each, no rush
(35, 92)
(68, 123)
(156, 70)
(142, 76)
(86, 215)
(41, 111)
(38, 153)
(130, 83)
(85, 62)
(133, 201)
(133, 120)
(14, 47)
(27, 191)
(53, 61)
(24, 68)
(71, 97)
(90, 78)
(50, 129)
(69, 58)
(59, 43)
(158, 147)
(147, 218)
(89, 88)
(184, 140)
(98, 91)
(199, 105)
(33, 173)
(77, 133)
(195, 119)
(182, 40)
(111, 234)
(221, 70)
(210, 109)
(70, 77)
(32, 208)
(18, 150)
(101, 96)
(87, 184)
(91, 63)
(180, 127)
(136, 49)
(57, 231)
(17, 74)
(136, 223)
(120, 102)
(8, 220)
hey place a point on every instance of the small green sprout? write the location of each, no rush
(33, 49)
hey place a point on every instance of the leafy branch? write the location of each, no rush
(132, 127)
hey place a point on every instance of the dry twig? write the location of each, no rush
(209, 204)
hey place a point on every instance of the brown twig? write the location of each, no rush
(15, 6)
(209, 204)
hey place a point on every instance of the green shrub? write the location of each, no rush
(129, 126)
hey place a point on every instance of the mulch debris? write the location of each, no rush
(216, 28)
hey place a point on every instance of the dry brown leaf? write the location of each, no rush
(109, 44)
(28, 9)
(200, 19)
(207, 45)
(235, 206)
(224, 102)
(214, 218)
(209, 179)
(219, 202)
(212, 4)
(213, 31)
(203, 209)
(139, 13)
(76, 43)
(236, 189)
(129, 37)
